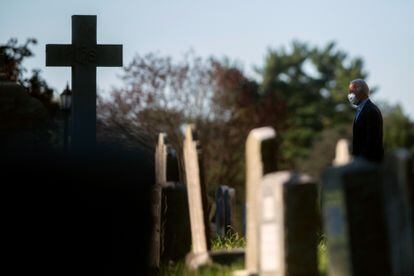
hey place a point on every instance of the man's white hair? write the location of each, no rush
(362, 86)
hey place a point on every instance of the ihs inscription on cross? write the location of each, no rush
(83, 55)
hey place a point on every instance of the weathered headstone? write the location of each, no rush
(175, 220)
(225, 197)
(342, 157)
(260, 160)
(288, 225)
(398, 186)
(160, 181)
(199, 254)
(175, 223)
(342, 154)
(200, 157)
(354, 220)
(83, 55)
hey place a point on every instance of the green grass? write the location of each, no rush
(232, 241)
(228, 242)
(215, 269)
(322, 256)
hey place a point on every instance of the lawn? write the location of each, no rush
(229, 242)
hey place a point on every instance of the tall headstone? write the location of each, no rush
(354, 220)
(225, 197)
(342, 154)
(398, 186)
(83, 55)
(200, 157)
(288, 225)
(175, 220)
(199, 254)
(160, 181)
(260, 160)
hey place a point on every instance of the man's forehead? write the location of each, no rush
(353, 85)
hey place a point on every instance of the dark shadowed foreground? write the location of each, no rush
(78, 216)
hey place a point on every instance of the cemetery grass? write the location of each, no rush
(228, 242)
(322, 256)
(179, 268)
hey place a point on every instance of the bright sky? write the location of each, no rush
(379, 31)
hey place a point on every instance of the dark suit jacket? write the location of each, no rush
(367, 134)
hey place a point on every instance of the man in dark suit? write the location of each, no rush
(367, 129)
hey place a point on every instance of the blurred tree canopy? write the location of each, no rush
(12, 56)
(301, 92)
(312, 83)
(398, 128)
(29, 115)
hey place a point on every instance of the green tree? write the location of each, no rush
(12, 56)
(398, 128)
(34, 129)
(301, 93)
(312, 82)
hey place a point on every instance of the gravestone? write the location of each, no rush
(398, 186)
(200, 157)
(175, 227)
(354, 220)
(288, 225)
(199, 254)
(342, 157)
(225, 197)
(260, 160)
(160, 181)
(175, 220)
(83, 55)
(342, 154)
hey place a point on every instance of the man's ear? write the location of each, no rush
(359, 93)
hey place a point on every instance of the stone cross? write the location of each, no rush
(342, 155)
(160, 181)
(83, 55)
(199, 254)
(288, 225)
(259, 161)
